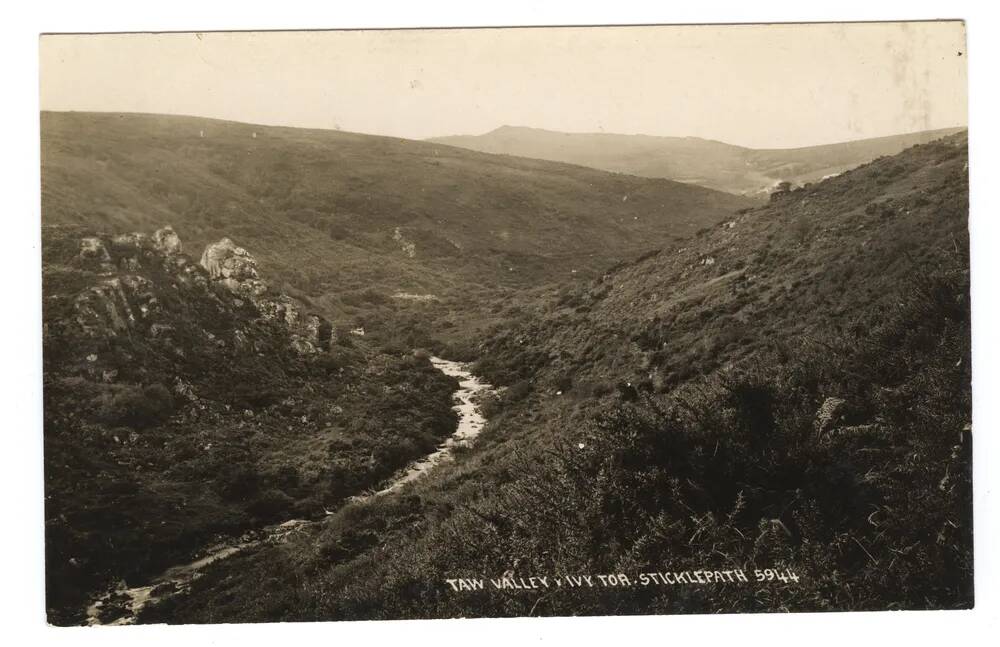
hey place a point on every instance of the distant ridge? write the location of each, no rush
(511, 129)
(693, 160)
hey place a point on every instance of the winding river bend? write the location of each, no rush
(122, 606)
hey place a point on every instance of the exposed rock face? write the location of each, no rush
(280, 308)
(234, 267)
(135, 251)
(320, 332)
(225, 259)
(828, 414)
(130, 264)
(315, 335)
(112, 307)
(132, 243)
(103, 310)
(125, 302)
(167, 241)
(302, 346)
(95, 255)
(93, 249)
(115, 305)
(129, 248)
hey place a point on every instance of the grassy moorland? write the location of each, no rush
(787, 389)
(357, 218)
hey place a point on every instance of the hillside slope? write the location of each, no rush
(335, 213)
(181, 404)
(713, 164)
(809, 259)
(786, 394)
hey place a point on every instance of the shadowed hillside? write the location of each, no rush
(183, 405)
(786, 393)
(721, 166)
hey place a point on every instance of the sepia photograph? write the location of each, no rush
(395, 324)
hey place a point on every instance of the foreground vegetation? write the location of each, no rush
(176, 414)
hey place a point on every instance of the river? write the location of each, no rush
(122, 606)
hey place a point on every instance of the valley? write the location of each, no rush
(657, 376)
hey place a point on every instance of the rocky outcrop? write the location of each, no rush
(94, 255)
(166, 241)
(129, 249)
(103, 310)
(136, 251)
(320, 331)
(125, 301)
(113, 307)
(130, 244)
(225, 259)
(314, 335)
(236, 269)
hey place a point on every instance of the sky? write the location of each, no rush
(764, 86)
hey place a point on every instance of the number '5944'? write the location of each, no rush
(774, 574)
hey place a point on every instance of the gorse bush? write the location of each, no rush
(733, 467)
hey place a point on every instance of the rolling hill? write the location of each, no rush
(345, 217)
(708, 163)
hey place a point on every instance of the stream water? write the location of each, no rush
(123, 605)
